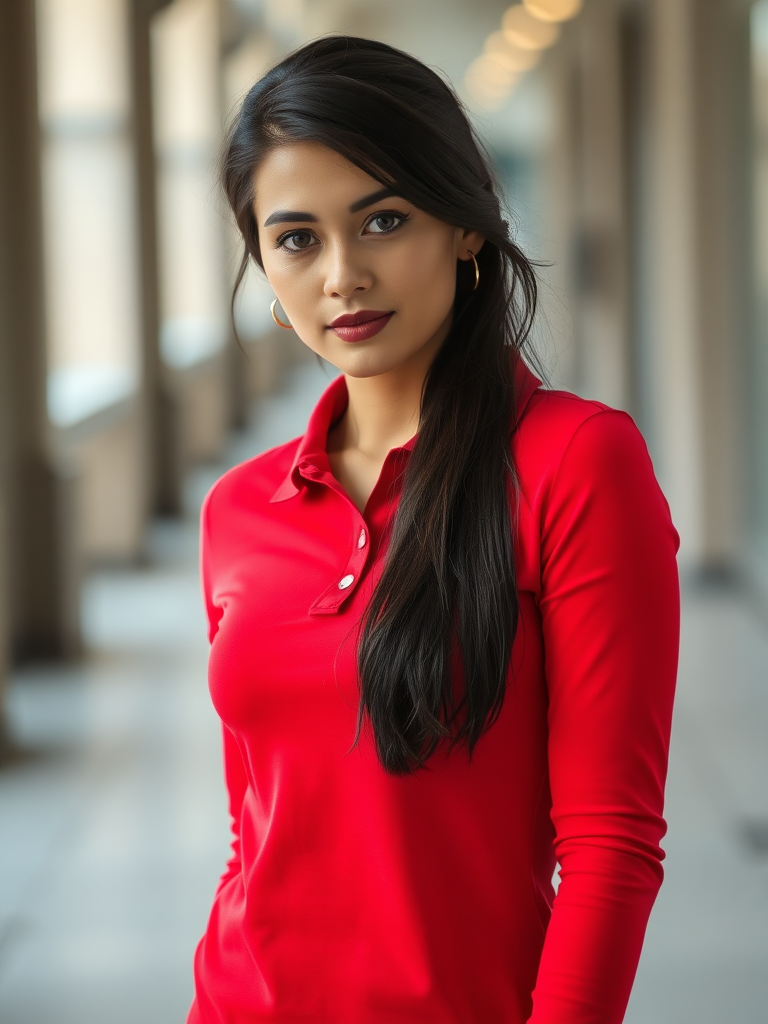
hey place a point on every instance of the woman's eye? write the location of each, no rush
(303, 240)
(382, 223)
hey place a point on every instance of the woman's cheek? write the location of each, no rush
(299, 297)
(434, 284)
(416, 280)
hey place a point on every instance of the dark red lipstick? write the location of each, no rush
(361, 325)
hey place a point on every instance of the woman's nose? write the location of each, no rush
(345, 272)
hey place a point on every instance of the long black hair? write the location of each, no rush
(448, 586)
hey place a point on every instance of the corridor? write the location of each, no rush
(629, 140)
(116, 803)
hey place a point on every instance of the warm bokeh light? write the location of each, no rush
(491, 75)
(498, 46)
(490, 79)
(526, 31)
(490, 103)
(553, 10)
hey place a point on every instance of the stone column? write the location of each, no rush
(159, 404)
(37, 549)
(600, 251)
(698, 62)
(196, 340)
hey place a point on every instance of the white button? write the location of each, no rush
(345, 581)
(361, 539)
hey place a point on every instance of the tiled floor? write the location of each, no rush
(115, 830)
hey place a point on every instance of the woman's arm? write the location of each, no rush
(610, 612)
(237, 783)
(234, 770)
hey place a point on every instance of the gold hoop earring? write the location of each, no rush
(278, 321)
(477, 269)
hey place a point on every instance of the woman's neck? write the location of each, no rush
(384, 410)
(383, 413)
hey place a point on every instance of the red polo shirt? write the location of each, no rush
(356, 897)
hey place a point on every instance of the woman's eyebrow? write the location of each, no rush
(283, 216)
(279, 216)
(374, 197)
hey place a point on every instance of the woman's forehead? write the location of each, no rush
(299, 175)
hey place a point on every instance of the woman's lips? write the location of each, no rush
(359, 332)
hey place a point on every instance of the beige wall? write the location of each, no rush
(689, 228)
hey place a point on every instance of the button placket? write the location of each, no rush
(356, 562)
(332, 598)
(340, 589)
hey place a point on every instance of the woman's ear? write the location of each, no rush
(470, 241)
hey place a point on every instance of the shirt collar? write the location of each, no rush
(311, 457)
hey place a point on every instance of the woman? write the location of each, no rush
(444, 621)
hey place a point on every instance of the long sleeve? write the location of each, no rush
(213, 612)
(237, 782)
(235, 776)
(610, 615)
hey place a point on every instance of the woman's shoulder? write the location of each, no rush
(253, 479)
(559, 422)
(556, 413)
(584, 469)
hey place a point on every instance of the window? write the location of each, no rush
(92, 292)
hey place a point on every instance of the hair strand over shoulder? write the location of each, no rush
(446, 604)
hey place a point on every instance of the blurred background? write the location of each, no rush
(632, 140)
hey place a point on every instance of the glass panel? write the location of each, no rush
(92, 289)
(188, 122)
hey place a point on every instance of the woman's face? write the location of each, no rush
(330, 246)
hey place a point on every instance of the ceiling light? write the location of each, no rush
(553, 10)
(483, 98)
(522, 29)
(489, 93)
(494, 76)
(499, 47)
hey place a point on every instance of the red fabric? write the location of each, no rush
(355, 897)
